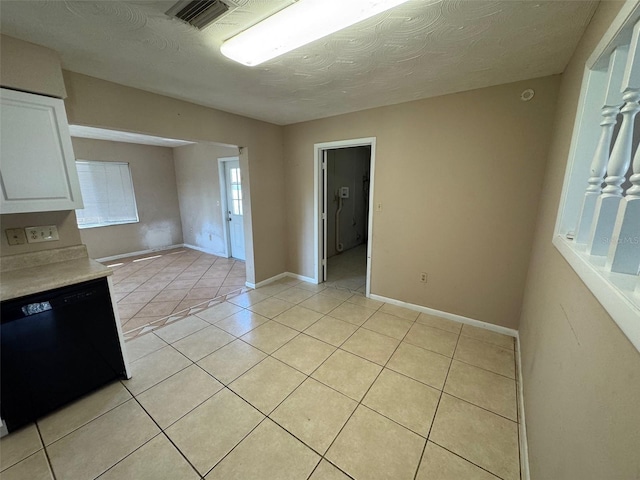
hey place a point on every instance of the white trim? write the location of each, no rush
(614, 291)
(449, 316)
(302, 278)
(278, 277)
(612, 37)
(571, 165)
(267, 281)
(372, 171)
(614, 300)
(522, 424)
(318, 148)
(141, 252)
(204, 250)
(3, 428)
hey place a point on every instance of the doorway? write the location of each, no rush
(232, 212)
(344, 199)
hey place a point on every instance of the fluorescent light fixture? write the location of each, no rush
(303, 22)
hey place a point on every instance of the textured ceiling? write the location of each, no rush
(420, 49)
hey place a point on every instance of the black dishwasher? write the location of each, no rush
(55, 347)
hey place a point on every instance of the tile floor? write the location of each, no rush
(149, 288)
(291, 381)
(348, 269)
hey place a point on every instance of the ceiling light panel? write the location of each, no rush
(303, 22)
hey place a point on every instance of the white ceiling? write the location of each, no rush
(420, 49)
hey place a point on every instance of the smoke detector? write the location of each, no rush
(199, 13)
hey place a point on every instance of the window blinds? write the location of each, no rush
(107, 193)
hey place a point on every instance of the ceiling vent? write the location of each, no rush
(199, 13)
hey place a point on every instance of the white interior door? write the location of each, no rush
(233, 181)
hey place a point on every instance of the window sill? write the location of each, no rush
(86, 227)
(615, 291)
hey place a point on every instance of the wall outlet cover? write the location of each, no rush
(16, 236)
(48, 233)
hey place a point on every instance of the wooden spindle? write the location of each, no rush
(612, 103)
(624, 252)
(608, 202)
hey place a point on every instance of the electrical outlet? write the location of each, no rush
(423, 277)
(48, 233)
(16, 236)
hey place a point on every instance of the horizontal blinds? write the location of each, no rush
(107, 193)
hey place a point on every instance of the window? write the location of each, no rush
(236, 191)
(107, 193)
(598, 224)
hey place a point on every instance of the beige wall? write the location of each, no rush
(64, 220)
(99, 103)
(32, 68)
(459, 177)
(199, 193)
(154, 185)
(581, 375)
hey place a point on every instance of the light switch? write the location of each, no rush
(48, 233)
(16, 236)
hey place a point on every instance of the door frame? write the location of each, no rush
(222, 177)
(320, 201)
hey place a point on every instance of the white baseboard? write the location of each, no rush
(522, 434)
(450, 316)
(522, 425)
(278, 277)
(140, 252)
(267, 281)
(301, 277)
(204, 250)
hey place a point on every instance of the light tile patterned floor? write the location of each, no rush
(348, 269)
(291, 381)
(150, 288)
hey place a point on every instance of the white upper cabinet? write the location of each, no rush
(37, 165)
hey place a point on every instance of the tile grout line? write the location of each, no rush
(134, 396)
(46, 453)
(435, 412)
(88, 422)
(194, 261)
(162, 432)
(364, 395)
(339, 348)
(243, 438)
(467, 460)
(283, 400)
(298, 333)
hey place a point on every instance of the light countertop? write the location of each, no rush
(30, 273)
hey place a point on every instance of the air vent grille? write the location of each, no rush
(199, 13)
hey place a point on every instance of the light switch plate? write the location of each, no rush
(48, 233)
(16, 236)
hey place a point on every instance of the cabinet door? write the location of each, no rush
(37, 165)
